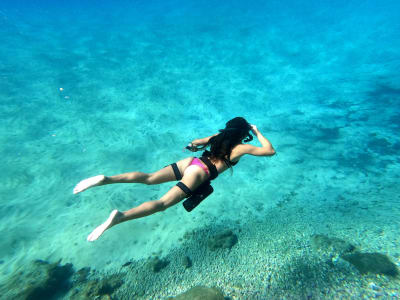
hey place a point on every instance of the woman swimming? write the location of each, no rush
(226, 148)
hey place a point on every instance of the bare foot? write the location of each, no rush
(88, 183)
(111, 221)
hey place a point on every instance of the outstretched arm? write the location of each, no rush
(193, 146)
(203, 141)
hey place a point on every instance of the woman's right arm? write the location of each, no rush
(193, 145)
(266, 150)
(203, 141)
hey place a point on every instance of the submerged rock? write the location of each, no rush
(331, 245)
(39, 280)
(81, 275)
(226, 239)
(376, 263)
(200, 293)
(98, 289)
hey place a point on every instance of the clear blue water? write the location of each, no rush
(105, 87)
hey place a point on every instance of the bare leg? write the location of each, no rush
(164, 175)
(193, 177)
(116, 217)
(132, 177)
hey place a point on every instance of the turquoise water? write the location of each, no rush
(91, 88)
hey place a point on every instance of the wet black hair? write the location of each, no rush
(236, 131)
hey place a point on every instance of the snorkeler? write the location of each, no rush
(226, 148)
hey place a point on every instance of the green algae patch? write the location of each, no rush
(94, 289)
(376, 263)
(200, 293)
(39, 280)
(156, 264)
(331, 245)
(225, 240)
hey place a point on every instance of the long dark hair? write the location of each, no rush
(235, 132)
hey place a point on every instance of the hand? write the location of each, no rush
(191, 147)
(254, 129)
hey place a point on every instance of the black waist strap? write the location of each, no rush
(211, 167)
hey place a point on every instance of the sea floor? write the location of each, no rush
(108, 90)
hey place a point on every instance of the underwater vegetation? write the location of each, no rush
(200, 293)
(44, 280)
(375, 263)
